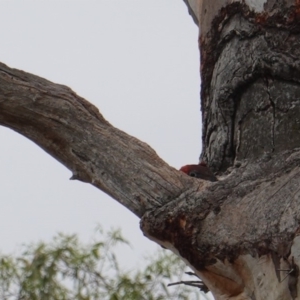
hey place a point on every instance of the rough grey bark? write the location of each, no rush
(74, 132)
(248, 55)
(237, 233)
(250, 106)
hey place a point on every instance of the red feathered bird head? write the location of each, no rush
(199, 171)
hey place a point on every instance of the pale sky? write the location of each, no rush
(138, 62)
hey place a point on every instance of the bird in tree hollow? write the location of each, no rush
(199, 171)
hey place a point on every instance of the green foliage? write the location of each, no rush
(65, 270)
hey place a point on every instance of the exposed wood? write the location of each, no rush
(193, 9)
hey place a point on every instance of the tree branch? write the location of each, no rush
(73, 131)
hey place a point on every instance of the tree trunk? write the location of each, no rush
(240, 232)
(250, 72)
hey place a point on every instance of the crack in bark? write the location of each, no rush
(81, 155)
(223, 96)
(237, 24)
(274, 116)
